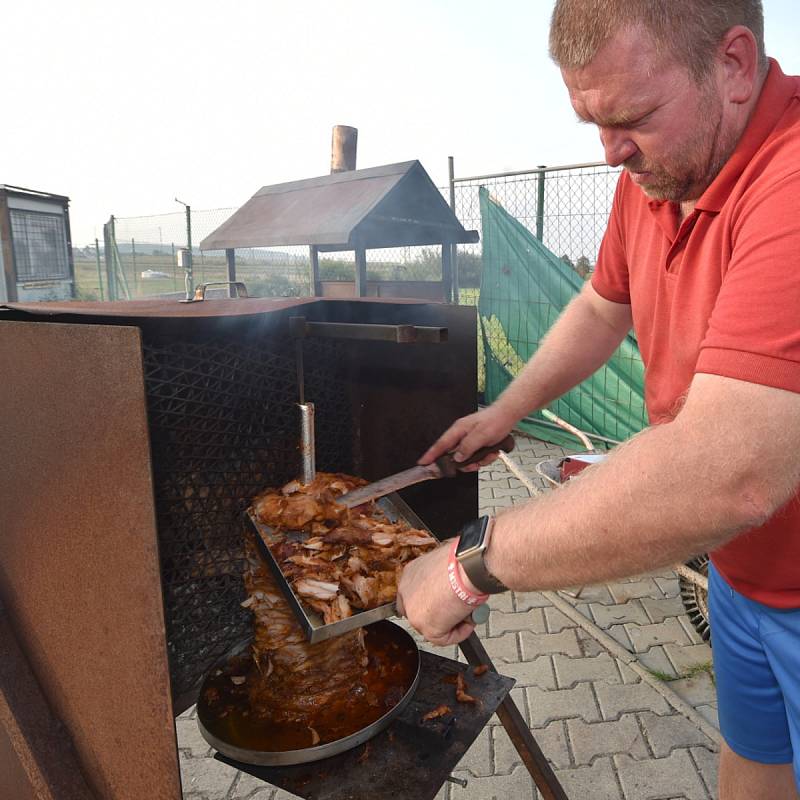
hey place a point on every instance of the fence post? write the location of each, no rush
(133, 254)
(189, 246)
(453, 247)
(540, 203)
(99, 271)
(447, 271)
(313, 258)
(119, 266)
(189, 272)
(361, 271)
(108, 253)
(230, 257)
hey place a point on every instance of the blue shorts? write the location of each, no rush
(757, 669)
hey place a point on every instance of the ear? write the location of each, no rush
(738, 65)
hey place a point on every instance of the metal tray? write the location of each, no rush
(266, 758)
(311, 621)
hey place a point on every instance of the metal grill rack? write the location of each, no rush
(223, 422)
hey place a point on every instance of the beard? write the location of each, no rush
(684, 175)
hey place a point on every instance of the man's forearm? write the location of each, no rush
(578, 344)
(673, 491)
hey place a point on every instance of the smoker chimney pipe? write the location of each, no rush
(343, 148)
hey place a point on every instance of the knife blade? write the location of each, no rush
(444, 467)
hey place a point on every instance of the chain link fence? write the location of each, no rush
(566, 208)
(140, 259)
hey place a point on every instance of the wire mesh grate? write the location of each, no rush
(224, 425)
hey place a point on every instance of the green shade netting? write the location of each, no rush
(524, 288)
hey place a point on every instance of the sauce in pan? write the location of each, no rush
(224, 703)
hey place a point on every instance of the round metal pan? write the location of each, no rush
(266, 758)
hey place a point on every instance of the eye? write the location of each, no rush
(642, 119)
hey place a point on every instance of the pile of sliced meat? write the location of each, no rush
(351, 559)
(294, 680)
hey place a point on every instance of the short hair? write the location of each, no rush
(687, 29)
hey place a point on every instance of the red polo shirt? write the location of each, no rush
(719, 293)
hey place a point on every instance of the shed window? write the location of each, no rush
(40, 246)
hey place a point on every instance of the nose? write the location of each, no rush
(618, 146)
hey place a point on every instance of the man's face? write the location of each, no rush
(665, 129)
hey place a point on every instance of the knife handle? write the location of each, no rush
(450, 468)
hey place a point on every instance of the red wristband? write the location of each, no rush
(457, 585)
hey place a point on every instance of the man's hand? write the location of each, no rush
(468, 434)
(425, 599)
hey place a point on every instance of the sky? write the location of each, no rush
(125, 106)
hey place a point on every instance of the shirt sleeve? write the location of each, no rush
(754, 330)
(610, 276)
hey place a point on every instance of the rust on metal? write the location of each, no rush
(172, 308)
(37, 759)
(161, 308)
(80, 576)
(128, 420)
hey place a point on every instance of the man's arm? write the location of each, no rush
(579, 343)
(729, 460)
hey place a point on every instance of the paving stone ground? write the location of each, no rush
(608, 734)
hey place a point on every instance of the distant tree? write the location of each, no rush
(470, 267)
(583, 266)
(568, 261)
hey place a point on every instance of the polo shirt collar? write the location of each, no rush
(777, 91)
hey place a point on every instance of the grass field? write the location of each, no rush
(264, 280)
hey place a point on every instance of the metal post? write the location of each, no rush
(308, 447)
(189, 271)
(451, 169)
(447, 272)
(453, 247)
(108, 253)
(316, 283)
(120, 267)
(99, 271)
(133, 255)
(230, 258)
(540, 203)
(361, 272)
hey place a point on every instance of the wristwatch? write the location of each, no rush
(471, 555)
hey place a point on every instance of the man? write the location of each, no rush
(701, 258)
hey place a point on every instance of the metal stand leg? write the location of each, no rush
(520, 734)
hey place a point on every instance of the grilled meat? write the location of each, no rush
(295, 678)
(351, 560)
(354, 557)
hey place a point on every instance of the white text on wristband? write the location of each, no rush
(456, 584)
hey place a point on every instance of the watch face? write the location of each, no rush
(471, 535)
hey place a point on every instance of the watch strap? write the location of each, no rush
(473, 562)
(457, 585)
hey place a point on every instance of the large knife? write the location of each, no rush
(444, 467)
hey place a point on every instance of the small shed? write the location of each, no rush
(35, 246)
(396, 205)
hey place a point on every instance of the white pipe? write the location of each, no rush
(578, 434)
